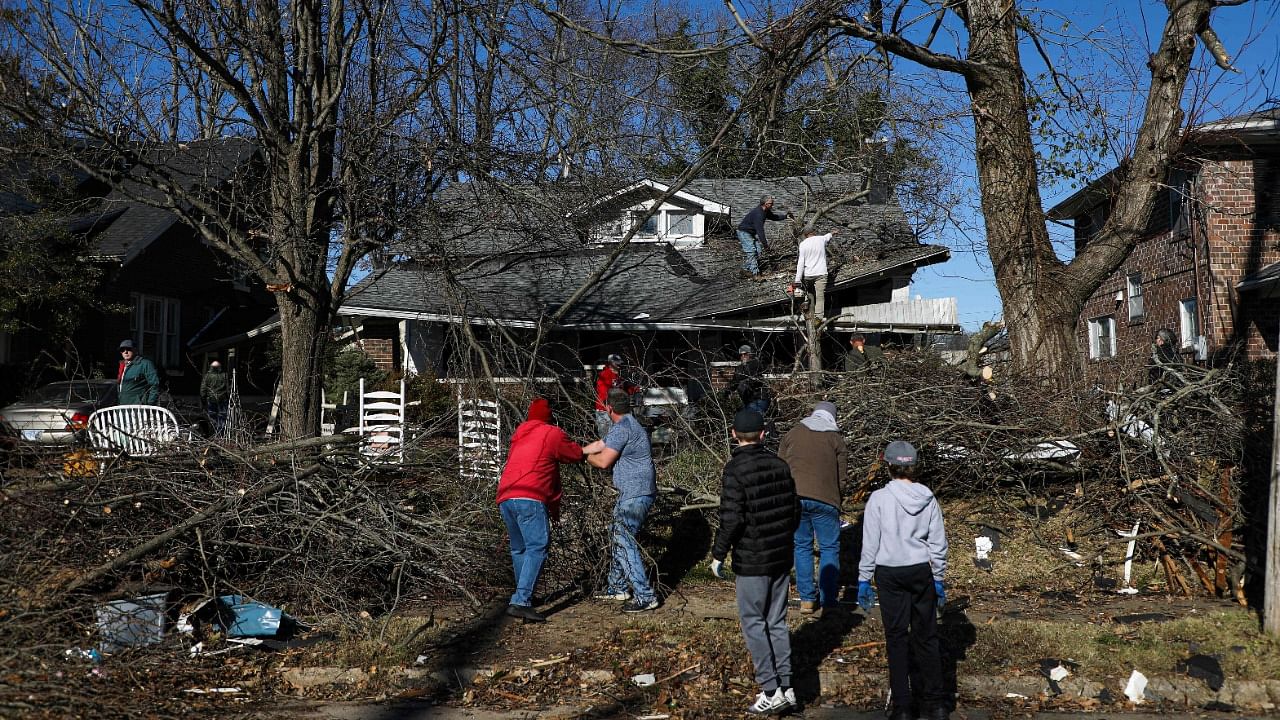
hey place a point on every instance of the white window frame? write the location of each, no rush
(1133, 284)
(612, 231)
(1102, 345)
(157, 335)
(1189, 321)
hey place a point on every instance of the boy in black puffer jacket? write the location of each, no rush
(759, 514)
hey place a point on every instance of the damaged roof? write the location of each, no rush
(650, 282)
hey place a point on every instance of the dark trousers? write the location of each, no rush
(907, 609)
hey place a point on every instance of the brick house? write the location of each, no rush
(1209, 267)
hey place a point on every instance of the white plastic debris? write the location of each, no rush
(644, 679)
(211, 691)
(1128, 589)
(982, 547)
(422, 660)
(1136, 688)
(1016, 696)
(1059, 674)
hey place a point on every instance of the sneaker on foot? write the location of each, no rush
(768, 703)
(606, 595)
(527, 614)
(789, 695)
(636, 606)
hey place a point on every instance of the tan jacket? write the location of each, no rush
(818, 460)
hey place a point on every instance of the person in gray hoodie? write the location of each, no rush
(904, 546)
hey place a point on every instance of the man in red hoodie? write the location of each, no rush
(609, 378)
(529, 497)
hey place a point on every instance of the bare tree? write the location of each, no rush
(1042, 294)
(309, 84)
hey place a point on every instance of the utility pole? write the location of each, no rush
(1271, 588)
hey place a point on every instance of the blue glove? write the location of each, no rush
(942, 594)
(866, 596)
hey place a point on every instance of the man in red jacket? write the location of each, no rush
(529, 497)
(609, 378)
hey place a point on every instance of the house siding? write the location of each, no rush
(1227, 240)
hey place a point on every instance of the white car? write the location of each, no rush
(58, 413)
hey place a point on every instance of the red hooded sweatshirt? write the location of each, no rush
(606, 381)
(533, 463)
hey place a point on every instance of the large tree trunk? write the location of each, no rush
(1043, 296)
(304, 337)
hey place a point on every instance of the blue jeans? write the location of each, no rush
(628, 567)
(823, 521)
(530, 534)
(751, 249)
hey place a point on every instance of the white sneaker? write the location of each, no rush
(768, 703)
(606, 595)
(789, 695)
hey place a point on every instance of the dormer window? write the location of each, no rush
(682, 227)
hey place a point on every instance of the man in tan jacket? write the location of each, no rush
(816, 452)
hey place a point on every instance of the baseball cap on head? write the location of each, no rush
(748, 421)
(746, 350)
(126, 345)
(615, 358)
(900, 452)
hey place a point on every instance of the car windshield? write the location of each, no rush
(69, 393)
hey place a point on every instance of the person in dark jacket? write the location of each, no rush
(215, 391)
(815, 451)
(748, 383)
(1163, 354)
(904, 546)
(139, 383)
(751, 235)
(759, 513)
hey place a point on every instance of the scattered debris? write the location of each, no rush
(1204, 667)
(982, 547)
(212, 691)
(1128, 588)
(1062, 596)
(133, 621)
(1136, 688)
(78, 653)
(1016, 696)
(595, 676)
(644, 679)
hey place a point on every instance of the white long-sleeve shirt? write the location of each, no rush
(812, 258)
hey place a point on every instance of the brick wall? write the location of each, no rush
(1240, 242)
(1225, 244)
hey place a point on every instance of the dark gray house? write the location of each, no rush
(671, 299)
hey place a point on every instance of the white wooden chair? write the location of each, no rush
(381, 426)
(479, 439)
(133, 430)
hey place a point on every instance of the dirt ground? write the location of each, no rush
(582, 661)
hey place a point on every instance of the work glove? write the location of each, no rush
(866, 596)
(942, 594)
(717, 568)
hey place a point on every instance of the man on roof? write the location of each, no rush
(751, 235)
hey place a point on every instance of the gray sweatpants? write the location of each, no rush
(762, 608)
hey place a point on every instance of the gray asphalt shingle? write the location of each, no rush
(650, 281)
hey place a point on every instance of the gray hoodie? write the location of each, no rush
(902, 526)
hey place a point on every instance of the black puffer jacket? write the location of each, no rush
(759, 513)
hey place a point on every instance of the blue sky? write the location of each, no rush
(1249, 33)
